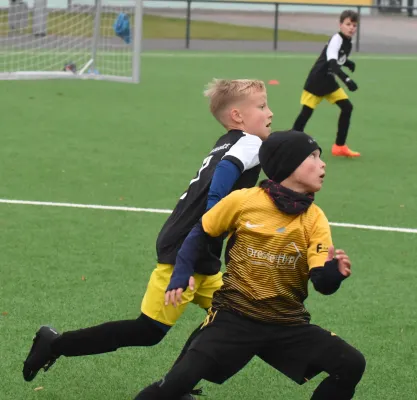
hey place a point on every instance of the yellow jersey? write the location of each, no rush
(268, 256)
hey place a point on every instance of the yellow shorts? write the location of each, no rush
(311, 100)
(153, 303)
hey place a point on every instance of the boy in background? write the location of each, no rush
(321, 83)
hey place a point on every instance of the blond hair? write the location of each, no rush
(224, 92)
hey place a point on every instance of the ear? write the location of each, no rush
(236, 116)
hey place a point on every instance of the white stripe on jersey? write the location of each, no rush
(246, 149)
(333, 48)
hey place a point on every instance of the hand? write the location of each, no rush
(174, 296)
(351, 65)
(352, 86)
(343, 261)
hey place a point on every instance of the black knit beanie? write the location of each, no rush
(283, 152)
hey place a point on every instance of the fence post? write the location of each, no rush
(410, 5)
(276, 26)
(188, 25)
(358, 33)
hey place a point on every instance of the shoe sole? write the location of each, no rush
(346, 156)
(30, 375)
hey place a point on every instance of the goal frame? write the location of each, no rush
(136, 54)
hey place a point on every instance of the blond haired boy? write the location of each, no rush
(241, 108)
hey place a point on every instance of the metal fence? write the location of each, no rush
(384, 27)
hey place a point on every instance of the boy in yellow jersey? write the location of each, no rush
(280, 239)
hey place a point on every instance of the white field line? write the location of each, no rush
(166, 211)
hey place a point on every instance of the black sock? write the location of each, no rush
(108, 337)
(330, 390)
(153, 392)
(185, 375)
(187, 344)
(345, 366)
(302, 119)
(346, 108)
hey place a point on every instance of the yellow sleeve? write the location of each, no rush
(320, 241)
(223, 216)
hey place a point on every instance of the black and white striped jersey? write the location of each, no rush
(321, 80)
(236, 146)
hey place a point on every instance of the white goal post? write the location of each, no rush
(70, 39)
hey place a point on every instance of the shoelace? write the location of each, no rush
(197, 392)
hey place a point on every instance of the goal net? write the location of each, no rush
(70, 39)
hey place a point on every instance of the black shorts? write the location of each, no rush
(300, 352)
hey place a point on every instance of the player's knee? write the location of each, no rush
(151, 331)
(349, 107)
(302, 119)
(345, 106)
(306, 111)
(353, 366)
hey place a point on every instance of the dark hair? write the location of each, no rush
(352, 15)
